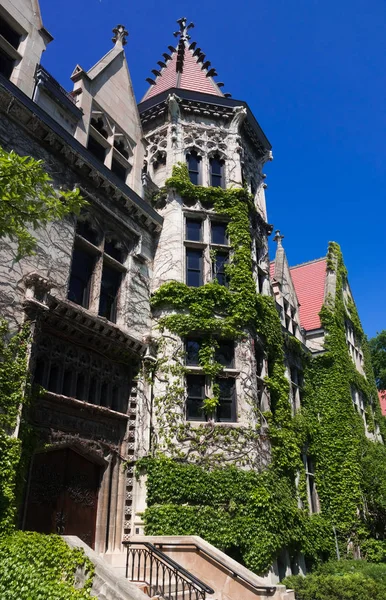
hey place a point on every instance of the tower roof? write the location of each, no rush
(184, 67)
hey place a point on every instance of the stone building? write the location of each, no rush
(87, 290)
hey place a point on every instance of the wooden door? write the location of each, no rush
(63, 495)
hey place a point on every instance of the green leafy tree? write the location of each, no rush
(29, 200)
(378, 358)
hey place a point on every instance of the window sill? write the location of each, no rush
(99, 137)
(199, 370)
(197, 424)
(9, 49)
(193, 244)
(121, 159)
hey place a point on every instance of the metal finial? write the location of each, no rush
(184, 28)
(278, 238)
(120, 35)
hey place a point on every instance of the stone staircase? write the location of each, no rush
(175, 568)
(223, 577)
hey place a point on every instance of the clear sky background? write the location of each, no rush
(313, 73)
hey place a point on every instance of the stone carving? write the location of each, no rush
(120, 35)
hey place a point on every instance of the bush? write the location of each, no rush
(34, 566)
(341, 580)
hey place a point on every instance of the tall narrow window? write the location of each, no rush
(216, 172)
(6, 64)
(8, 55)
(193, 231)
(192, 349)
(119, 169)
(219, 233)
(226, 410)
(219, 271)
(80, 278)
(194, 161)
(225, 354)
(96, 148)
(108, 299)
(312, 493)
(193, 267)
(196, 394)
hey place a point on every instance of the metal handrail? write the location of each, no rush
(171, 563)
(268, 588)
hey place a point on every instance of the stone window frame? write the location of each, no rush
(229, 372)
(115, 136)
(102, 259)
(198, 153)
(220, 158)
(205, 245)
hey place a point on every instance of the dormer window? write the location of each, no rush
(216, 172)
(108, 143)
(194, 163)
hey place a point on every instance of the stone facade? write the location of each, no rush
(86, 291)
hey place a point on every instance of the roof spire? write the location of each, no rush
(120, 35)
(278, 238)
(183, 32)
(184, 67)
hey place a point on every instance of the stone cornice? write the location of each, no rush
(206, 105)
(79, 325)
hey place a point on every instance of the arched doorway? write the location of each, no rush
(63, 494)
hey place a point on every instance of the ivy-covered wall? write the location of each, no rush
(217, 491)
(13, 394)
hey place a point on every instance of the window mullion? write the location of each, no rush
(95, 284)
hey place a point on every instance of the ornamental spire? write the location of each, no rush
(278, 238)
(184, 66)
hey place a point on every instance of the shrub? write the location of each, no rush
(341, 580)
(34, 566)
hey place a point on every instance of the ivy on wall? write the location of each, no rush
(254, 514)
(13, 393)
(338, 440)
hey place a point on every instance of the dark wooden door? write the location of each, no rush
(63, 495)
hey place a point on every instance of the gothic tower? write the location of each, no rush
(195, 131)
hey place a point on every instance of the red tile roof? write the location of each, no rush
(183, 70)
(382, 401)
(309, 281)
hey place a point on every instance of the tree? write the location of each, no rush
(29, 201)
(378, 358)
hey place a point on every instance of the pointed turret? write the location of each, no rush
(185, 67)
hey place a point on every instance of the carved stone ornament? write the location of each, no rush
(120, 35)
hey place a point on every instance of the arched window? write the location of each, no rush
(216, 171)
(194, 161)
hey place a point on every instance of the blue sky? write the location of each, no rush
(313, 72)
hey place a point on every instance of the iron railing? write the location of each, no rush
(161, 574)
